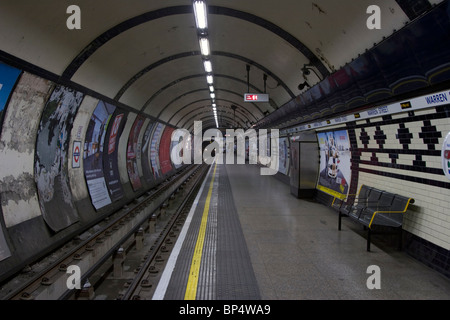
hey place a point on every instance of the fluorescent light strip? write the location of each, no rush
(204, 46)
(208, 66)
(200, 15)
(201, 20)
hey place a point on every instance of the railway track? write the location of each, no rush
(121, 257)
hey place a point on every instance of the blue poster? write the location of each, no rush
(8, 78)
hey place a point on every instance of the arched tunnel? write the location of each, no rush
(92, 91)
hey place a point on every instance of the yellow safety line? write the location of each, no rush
(191, 288)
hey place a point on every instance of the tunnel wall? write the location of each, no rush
(68, 159)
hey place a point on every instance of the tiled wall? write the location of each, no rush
(402, 154)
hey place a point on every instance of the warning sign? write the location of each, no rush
(76, 154)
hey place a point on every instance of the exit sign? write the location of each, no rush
(256, 97)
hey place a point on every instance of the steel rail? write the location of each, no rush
(186, 203)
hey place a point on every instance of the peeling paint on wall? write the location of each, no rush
(51, 166)
(17, 187)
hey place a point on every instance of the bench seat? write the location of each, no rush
(373, 207)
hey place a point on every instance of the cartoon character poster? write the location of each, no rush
(335, 156)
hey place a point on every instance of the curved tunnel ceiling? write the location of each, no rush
(145, 54)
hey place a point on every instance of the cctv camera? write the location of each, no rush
(302, 86)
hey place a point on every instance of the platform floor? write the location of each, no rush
(260, 242)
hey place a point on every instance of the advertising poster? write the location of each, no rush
(8, 78)
(110, 156)
(4, 249)
(51, 163)
(164, 151)
(132, 153)
(93, 154)
(178, 139)
(145, 155)
(154, 150)
(283, 163)
(335, 172)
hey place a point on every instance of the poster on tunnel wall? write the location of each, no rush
(145, 153)
(178, 139)
(94, 148)
(132, 153)
(8, 78)
(5, 252)
(283, 163)
(164, 151)
(154, 150)
(51, 163)
(110, 155)
(335, 162)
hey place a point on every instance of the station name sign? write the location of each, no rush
(256, 97)
(418, 103)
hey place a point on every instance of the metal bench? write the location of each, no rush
(373, 207)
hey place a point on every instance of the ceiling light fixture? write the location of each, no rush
(200, 15)
(201, 20)
(208, 66)
(204, 46)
